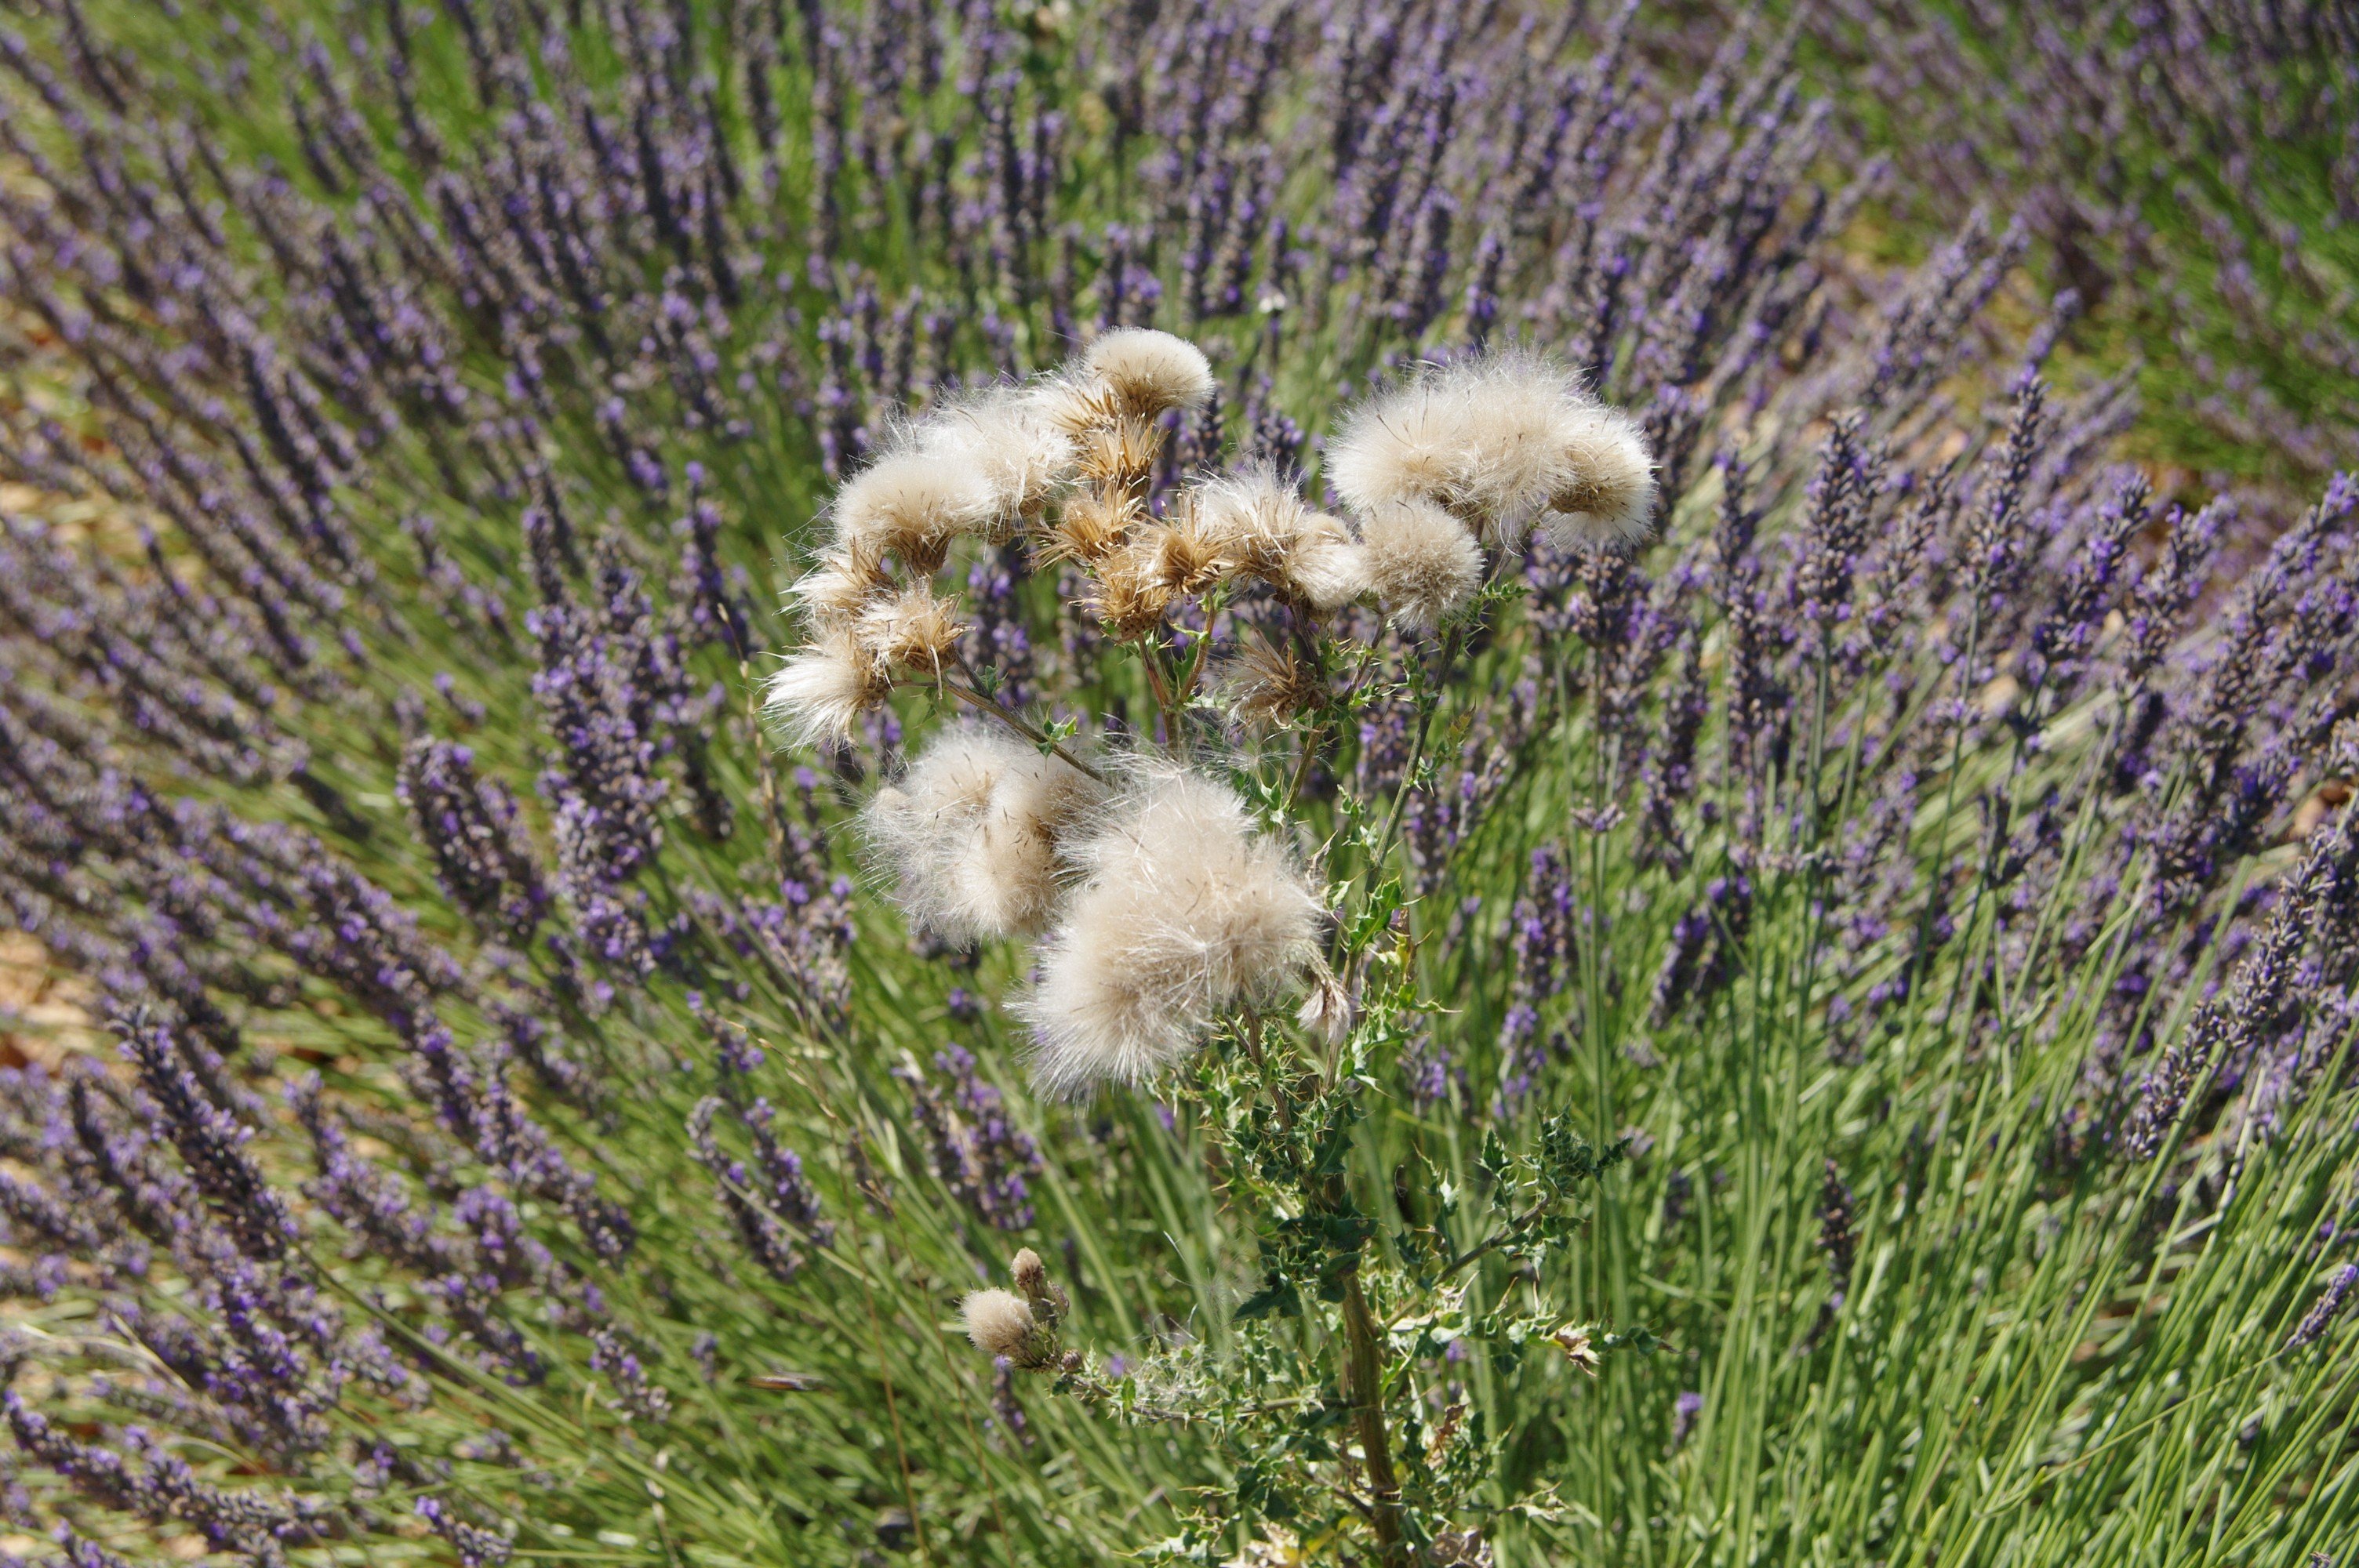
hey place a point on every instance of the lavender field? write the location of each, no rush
(1223, 782)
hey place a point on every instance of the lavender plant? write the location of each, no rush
(1414, 884)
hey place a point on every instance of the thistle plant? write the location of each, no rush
(1592, 767)
(1205, 929)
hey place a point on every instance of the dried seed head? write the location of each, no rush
(1262, 524)
(971, 835)
(1185, 559)
(835, 592)
(999, 1322)
(1087, 529)
(1268, 685)
(1131, 595)
(1496, 440)
(1326, 568)
(1031, 1275)
(1075, 404)
(1010, 439)
(1184, 911)
(1421, 560)
(1607, 496)
(911, 503)
(1120, 454)
(821, 691)
(1328, 1011)
(1253, 513)
(913, 631)
(1150, 371)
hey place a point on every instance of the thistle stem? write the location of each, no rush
(1030, 731)
(1364, 1379)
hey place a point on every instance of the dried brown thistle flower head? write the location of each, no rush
(1088, 528)
(912, 631)
(1266, 684)
(1132, 593)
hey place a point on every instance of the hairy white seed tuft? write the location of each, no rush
(1262, 522)
(912, 502)
(821, 691)
(1327, 568)
(999, 1322)
(1008, 436)
(1421, 560)
(1184, 911)
(914, 629)
(972, 834)
(835, 592)
(1609, 495)
(1150, 371)
(1498, 441)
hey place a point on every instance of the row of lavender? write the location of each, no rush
(2190, 171)
(474, 393)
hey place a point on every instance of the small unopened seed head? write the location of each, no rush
(1150, 371)
(999, 1322)
(1031, 1275)
(1421, 561)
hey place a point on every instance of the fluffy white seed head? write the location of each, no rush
(911, 502)
(1608, 495)
(972, 834)
(1261, 521)
(821, 691)
(1498, 441)
(1252, 511)
(1010, 440)
(1184, 911)
(1150, 371)
(1421, 560)
(1327, 568)
(835, 592)
(999, 1322)
(1406, 446)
